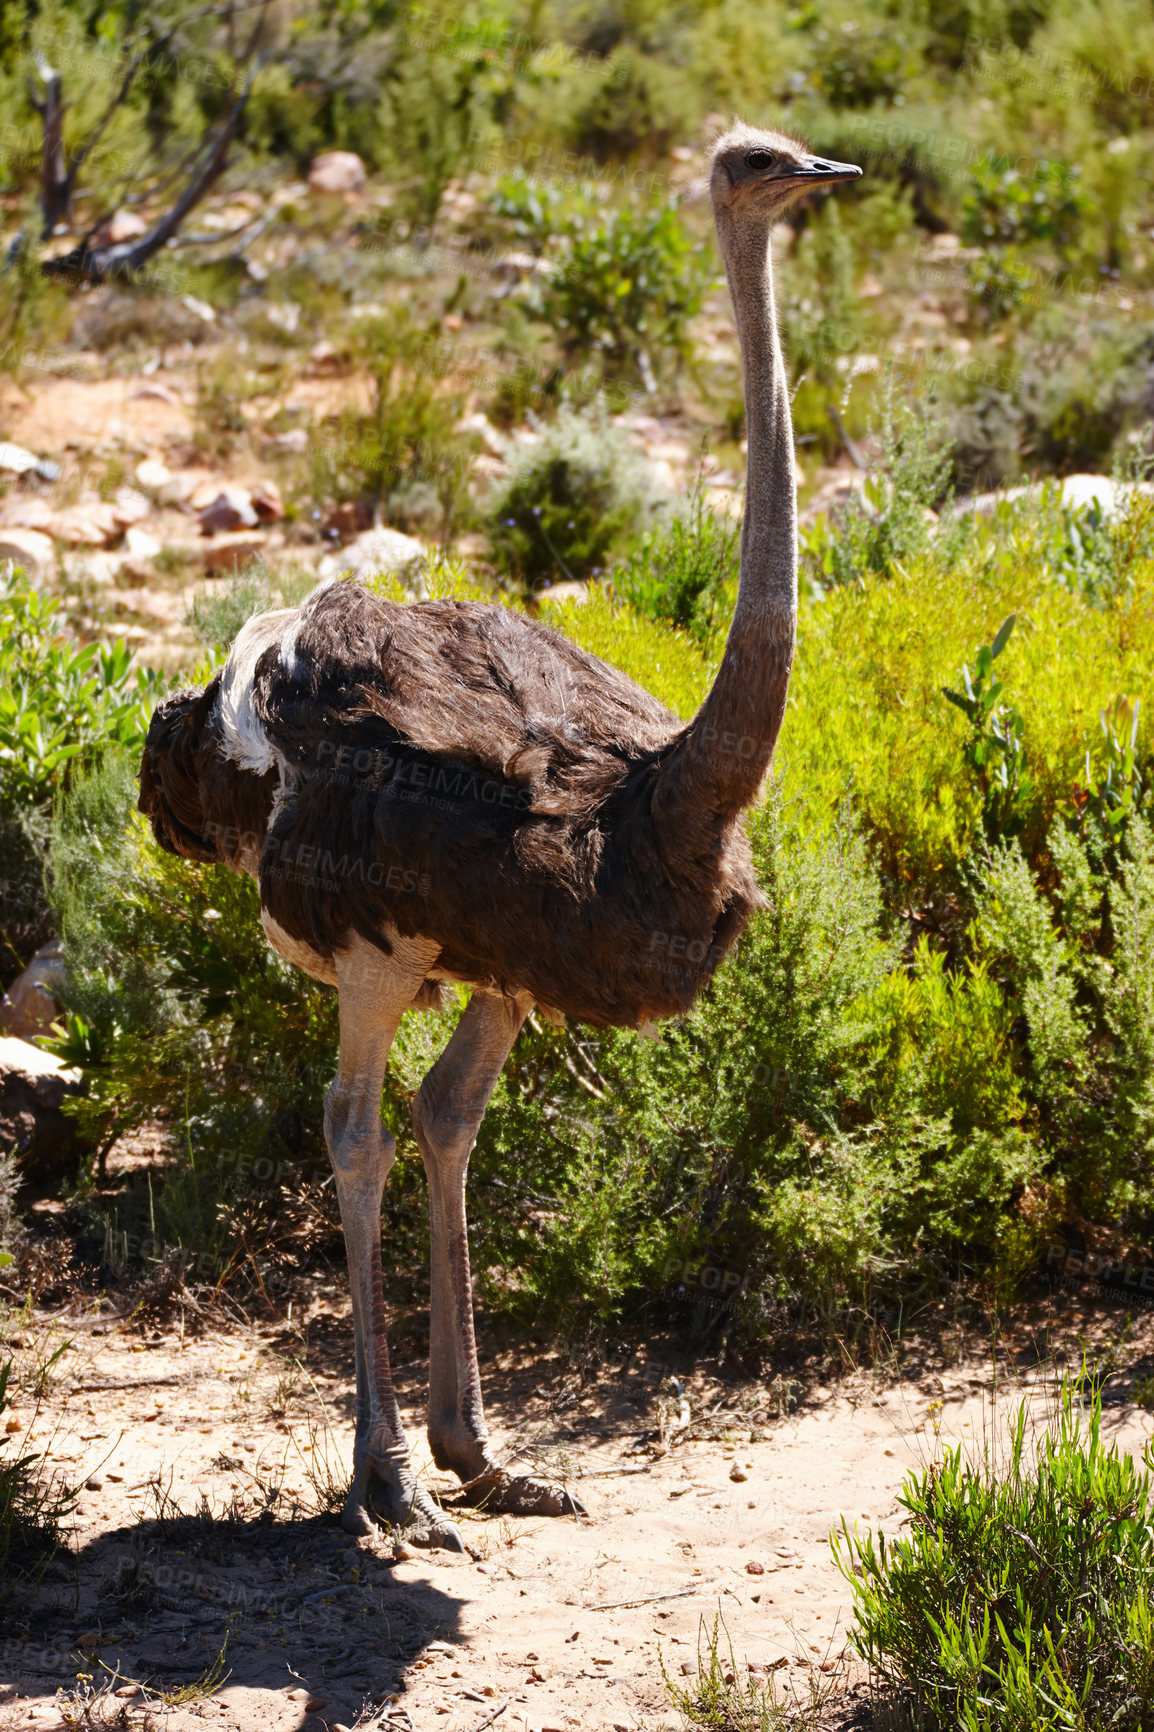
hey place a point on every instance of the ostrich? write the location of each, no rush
(450, 792)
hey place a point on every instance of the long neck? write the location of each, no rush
(722, 757)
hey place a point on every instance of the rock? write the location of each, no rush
(30, 548)
(94, 1484)
(324, 361)
(314, 1704)
(92, 565)
(33, 1085)
(129, 507)
(1076, 492)
(351, 517)
(139, 544)
(14, 460)
(232, 508)
(230, 552)
(152, 474)
(753, 1568)
(296, 439)
(122, 225)
(738, 1474)
(30, 514)
(29, 1007)
(377, 550)
(402, 1553)
(91, 524)
(155, 391)
(568, 591)
(267, 502)
(337, 171)
(177, 490)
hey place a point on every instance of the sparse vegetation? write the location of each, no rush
(1022, 1594)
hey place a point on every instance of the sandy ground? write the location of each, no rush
(545, 1623)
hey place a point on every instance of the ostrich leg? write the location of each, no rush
(447, 1111)
(374, 991)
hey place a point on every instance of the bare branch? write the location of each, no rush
(95, 264)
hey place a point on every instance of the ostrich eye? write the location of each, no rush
(758, 161)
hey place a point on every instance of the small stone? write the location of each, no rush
(230, 552)
(122, 225)
(152, 474)
(29, 548)
(90, 1640)
(127, 1691)
(231, 508)
(314, 1704)
(337, 171)
(141, 545)
(13, 1424)
(738, 1474)
(403, 1553)
(754, 1568)
(267, 502)
(889, 1452)
(94, 1484)
(15, 460)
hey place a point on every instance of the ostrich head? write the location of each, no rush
(170, 792)
(759, 172)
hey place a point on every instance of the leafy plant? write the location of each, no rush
(889, 521)
(686, 571)
(1022, 1597)
(994, 749)
(622, 282)
(61, 706)
(32, 1504)
(570, 502)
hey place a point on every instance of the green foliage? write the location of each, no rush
(405, 453)
(1022, 1596)
(33, 1504)
(623, 281)
(993, 749)
(1004, 209)
(573, 498)
(889, 521)
(60, 707)
(686, 571)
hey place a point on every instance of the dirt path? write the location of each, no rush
(542, 1616)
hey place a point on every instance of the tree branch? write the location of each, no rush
(123, 258)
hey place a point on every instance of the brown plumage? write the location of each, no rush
(461, 772)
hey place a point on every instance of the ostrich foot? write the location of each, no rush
(502, 1493)
(380, 1495)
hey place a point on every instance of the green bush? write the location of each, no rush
(686, 571)
(61, 708)
(623, 281)
(1022, 1597)
(571, 501)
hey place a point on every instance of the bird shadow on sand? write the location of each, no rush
(190, 1606)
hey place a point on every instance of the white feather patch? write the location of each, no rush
(245, 742)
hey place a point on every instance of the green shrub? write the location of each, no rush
(1022, 1596)
(686, 571)
(623, 281)
(573, 498)
(405, 454)
(889, 521)
(61, 708)
(33, 1504)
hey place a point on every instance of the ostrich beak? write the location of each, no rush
(821, 170)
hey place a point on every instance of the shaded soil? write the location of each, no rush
(203, 1558)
